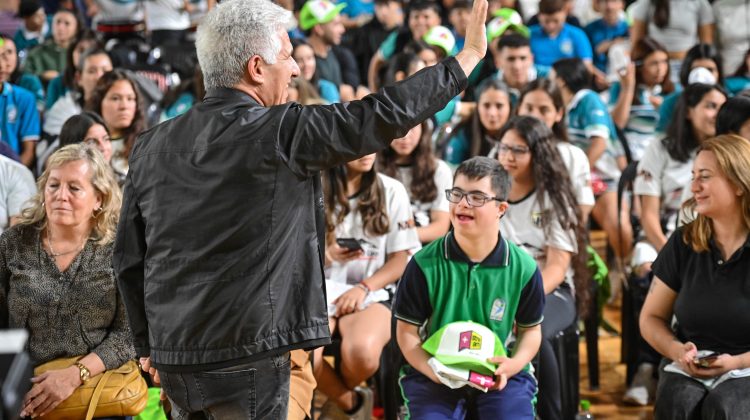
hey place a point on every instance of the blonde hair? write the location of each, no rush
(733, 155)
(103, 181)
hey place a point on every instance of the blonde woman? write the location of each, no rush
(56, 279)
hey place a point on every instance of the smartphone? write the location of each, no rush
(351, 244)
(706, 360)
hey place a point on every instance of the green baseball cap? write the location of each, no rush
(442, 37)
(315, 12)
(505, 19)
(465, 345)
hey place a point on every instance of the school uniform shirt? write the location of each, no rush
(640, 129)
(587, 116)
(401, 235)
(20, 119)
(166, 15)
(685, 16)
(569, 43)
(599, 31)
(732, 31)
(46, 56)
(523, 225)
(16, 187)
(443, 181)
(577, 164)
(659, 175)
(122, 10)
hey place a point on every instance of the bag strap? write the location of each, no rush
(97, 394)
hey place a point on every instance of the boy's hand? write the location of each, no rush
(506, 367)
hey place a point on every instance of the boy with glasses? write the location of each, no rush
(471, 274)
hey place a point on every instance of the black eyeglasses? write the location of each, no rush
(474, 199)
(503, 149)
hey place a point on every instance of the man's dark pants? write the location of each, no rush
(256, 390)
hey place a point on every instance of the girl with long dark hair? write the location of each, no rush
(542, 99)
(409, 159)
(117, 99)
(544, 219)
(639, 94)
(478, 135)
(370, 235)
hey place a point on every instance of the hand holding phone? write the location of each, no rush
(705, 360)
(352, 244)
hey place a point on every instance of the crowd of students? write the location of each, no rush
(527, 158)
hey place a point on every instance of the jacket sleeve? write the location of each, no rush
(312, 138)
(128, 262)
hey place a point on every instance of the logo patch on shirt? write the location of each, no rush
(566, 47)
(469, 340)
(12, 113)
(498, 310)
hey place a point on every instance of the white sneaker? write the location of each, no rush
(643, 387)
(365, 409)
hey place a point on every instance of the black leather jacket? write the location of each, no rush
(218, 252)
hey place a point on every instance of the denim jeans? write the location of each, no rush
(256, 390)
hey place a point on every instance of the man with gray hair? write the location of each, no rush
(219, 250)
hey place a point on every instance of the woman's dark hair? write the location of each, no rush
(680, 140)
(574, 73)
(661, 13)
(423, 166)
(15, 75)
(75, 128)
(698, 52)
(552, 180)
(743, 70)
(103, 86)
(296, 43)
(371, 201)
(479, 143)
(640, 52)
(550, 88)
(69, 75)
(193, 85)
(732, 115)
(401, 62)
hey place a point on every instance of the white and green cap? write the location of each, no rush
(316, 12)
(442, 37)
(466, 345)
(505, 19)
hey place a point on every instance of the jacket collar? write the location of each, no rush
(230, 94)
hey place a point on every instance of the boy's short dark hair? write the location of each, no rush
(574, 73)
(389, 1)
(461, 4)
(512, 40)
(418, 5)
(548, 7)
(480, 167)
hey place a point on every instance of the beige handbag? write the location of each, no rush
(116, 392)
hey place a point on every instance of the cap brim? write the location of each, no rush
(468, 363)
(311, 21)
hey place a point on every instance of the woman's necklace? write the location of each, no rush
(59, 254)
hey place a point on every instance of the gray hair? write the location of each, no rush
(233, 32)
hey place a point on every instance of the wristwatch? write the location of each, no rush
(83, 371)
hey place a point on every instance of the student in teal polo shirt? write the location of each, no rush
(472, 274)
(20, 121)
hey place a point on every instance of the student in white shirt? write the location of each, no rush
(410, 160)
(542, 99)
(373, 210)
(543, 218)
